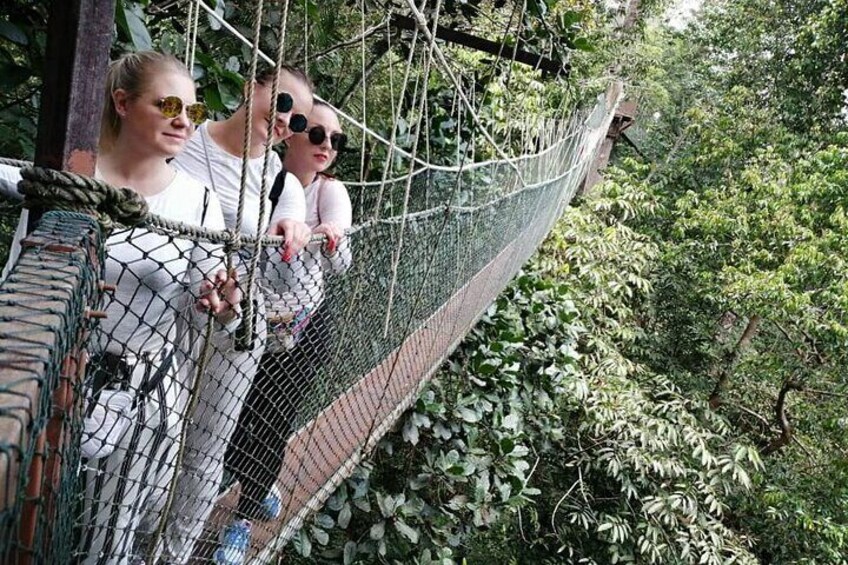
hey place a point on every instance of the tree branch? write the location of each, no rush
(379, 51)
(782, 419)
(347, 43)
(732, 358)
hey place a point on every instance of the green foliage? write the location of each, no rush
(748, 306)
(540, 428)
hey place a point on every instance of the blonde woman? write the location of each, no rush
(136, 385)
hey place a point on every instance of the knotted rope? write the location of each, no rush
(62, 190)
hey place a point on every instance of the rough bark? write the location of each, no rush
(732, 358)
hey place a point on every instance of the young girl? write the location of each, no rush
(256, 454)
(150, 113)
(214, 156)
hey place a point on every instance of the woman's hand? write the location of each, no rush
(333, 234)
(296, 236)
(221, 296)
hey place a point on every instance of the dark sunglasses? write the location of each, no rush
(172, 106)
(285, 103)
(318, 134)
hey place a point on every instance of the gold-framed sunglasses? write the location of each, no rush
(172, 106)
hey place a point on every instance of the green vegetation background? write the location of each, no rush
(664, 382)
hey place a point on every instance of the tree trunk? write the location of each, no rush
(732, 358)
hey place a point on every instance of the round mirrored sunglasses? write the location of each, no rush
(318, 134)
(172, 106)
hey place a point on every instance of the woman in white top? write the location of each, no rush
(214, 156)
(299, 325)
(134, 382)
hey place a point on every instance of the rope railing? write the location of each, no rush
(372, 359)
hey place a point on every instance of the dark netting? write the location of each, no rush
(181, 422)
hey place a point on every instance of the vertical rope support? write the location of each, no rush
(364, 90)
(422, 101)
(195, 25)
(396, 115)
(247, 311)
(305, 36)
(263, 188)
(189, 21)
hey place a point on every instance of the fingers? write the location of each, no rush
(333, 235)
(296, 235)
(220, 295)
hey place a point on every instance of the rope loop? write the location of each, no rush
(63, 190)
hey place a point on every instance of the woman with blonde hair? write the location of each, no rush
(136, 386)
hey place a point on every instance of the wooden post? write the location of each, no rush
(79, 37)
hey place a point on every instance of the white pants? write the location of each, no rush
(223, 390)
(118, 487)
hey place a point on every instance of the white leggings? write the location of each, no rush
(223, 391)
(119, 487)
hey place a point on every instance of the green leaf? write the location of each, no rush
(130, 19)
(13, 33)
(410, 432)
(213, 98)
(511, 421)
(469, 415)
(583, 44)
(407, 531)
(378, 530)
(320, 535)
(344, 516)
(349, 553)
(324, 520)
(302, 543)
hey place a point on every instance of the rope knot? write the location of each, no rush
(62, 190)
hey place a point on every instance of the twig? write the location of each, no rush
(347, 43)
(825, 393)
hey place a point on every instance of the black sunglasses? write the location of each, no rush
(318, 134)
(285, 103)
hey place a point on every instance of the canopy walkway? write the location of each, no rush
(429, 252)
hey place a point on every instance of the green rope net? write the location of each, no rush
(136, 428)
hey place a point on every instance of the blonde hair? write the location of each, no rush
(131, 73)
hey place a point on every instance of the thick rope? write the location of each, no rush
(249, 317)
(62, 190)
(189, 22)
(422, 102)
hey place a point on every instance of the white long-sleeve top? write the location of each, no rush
(159, 276)
(327, 201)
(156, 276)
(9, 177)
(203, 159)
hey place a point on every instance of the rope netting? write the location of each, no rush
(137, 428)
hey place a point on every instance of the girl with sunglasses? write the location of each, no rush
(298, 318)
(136, 382)
(214, 156)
